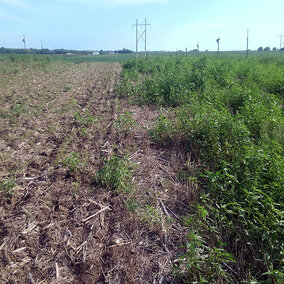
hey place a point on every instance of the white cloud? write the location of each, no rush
(131, 2)
(6, 16)
(15, 3)
(206, 26)
(192, 27)
(136, 1)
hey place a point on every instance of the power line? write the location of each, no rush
(142, 35)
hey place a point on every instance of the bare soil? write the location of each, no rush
(58, 225)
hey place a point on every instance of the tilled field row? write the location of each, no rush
(57, 223)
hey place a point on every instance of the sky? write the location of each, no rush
(175, 24)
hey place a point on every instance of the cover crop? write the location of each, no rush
(228, 112)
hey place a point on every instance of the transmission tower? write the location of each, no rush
(142, 35)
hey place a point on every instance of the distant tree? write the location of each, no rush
(281, 49)
(43, 51)
(260, 48)
(275, 49)
(267, 48)
(124, 50)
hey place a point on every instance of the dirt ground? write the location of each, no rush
(57, 225)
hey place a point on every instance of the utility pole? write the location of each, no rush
(197, 47)
(186, 52)
(145, 29)
(218, 42)
(143, 35)
(136, 38)
(41, 44)
(281, 36)
(247, 43)
(24, 41)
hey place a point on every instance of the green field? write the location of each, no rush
(227, 112)
(67, 58)
(95, 58)
(172, 164)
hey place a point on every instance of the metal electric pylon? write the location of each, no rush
(142, 35)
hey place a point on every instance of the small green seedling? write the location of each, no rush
(7, 187)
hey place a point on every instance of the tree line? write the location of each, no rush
(269, 49)
(47, 51)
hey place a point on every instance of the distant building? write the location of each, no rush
(95, 53)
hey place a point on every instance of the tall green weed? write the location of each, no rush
(229, 112)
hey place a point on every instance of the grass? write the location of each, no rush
(116, 174)
(228, 112)
(72, 162)
(86, 118)
(7, 187)
(201, 263)
(124, 124)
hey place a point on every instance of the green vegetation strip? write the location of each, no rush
(228, 112)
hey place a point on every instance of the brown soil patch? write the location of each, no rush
(59, 226)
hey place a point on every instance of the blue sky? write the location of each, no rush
(107, 24)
